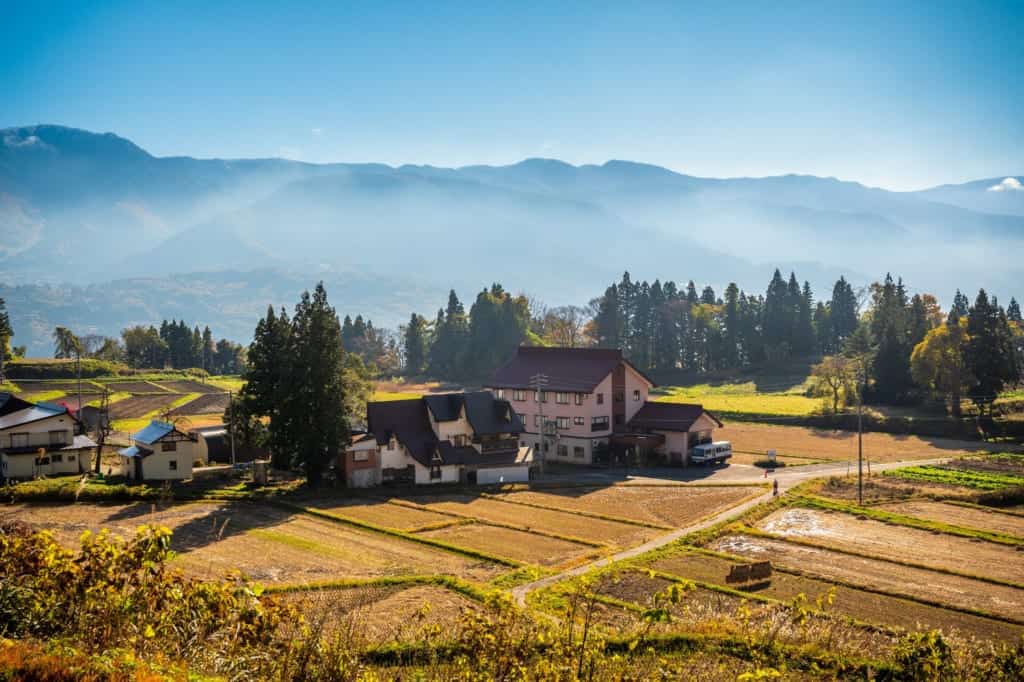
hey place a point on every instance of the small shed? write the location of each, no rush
(160, 452)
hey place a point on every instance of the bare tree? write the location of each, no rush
(566, 326)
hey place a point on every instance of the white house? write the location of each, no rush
(160, 452)
(40, 440)
(440, 438)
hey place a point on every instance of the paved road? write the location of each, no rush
(734, 473)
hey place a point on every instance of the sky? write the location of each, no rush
(897, 95)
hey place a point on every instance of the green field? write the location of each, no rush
(981, 480)
(743, 398)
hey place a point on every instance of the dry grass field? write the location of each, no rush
(671, 506)
(602, 531)
(187, 386)
(875, 574)
(898, 543)
(842, 445)
(511, 544)
(266, 543)
(140, 405)
(207, 403)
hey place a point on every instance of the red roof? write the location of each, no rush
(577, 370)
(664, 416)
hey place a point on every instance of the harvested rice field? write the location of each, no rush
(511, 544)
(842, 445)
(209, 403)
(381, 513)
(898, 543)
(669, 506)
(880, 575)
(857, 604)
(561, 523)
(266, 543)
(134, 387)
(187, 386)
(965, 517)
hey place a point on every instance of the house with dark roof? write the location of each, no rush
(593, 404)
(439, 438)
(40, 439)
(159, 452)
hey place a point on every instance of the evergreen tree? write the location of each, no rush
(208, 349)
(804, 341)
(776, 316)
(6, 332)
(842, 313)
(823, 330)
(416, 345)
(989, 353)
(891, 366)
(707, 296)
(1012, 310)
(918, 323)
(691, 293)
(608, 320)
(266, 380)
(731, 322)
(960, 306)
(313, 398)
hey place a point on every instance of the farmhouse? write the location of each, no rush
(160, 452)
(594, 406)
(40, 439)
(441, 438)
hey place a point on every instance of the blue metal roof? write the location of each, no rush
(154, 432)
(130, 452)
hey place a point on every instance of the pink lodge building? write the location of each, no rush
(594, 402)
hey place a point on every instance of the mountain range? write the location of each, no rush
(93, 217)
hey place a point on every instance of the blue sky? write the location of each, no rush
(899, 95)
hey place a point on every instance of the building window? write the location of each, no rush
(636, 396)
(172, 464)
(536, 420)
(600, 398)
(58, 437)
(168, 446)
(361, 456)
(518, 395)
(525, 419)
(499, 393)
(543, 396)
(578, 398)
(563, 422)
(577, 452)
(562, 398)
(459, 440)
(56, 458)
(19, 440)
(71, 458)
(579, 421)
(391, 443)
(563, 450)
(599, 422)
(619, 397)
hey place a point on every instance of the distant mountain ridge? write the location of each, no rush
(85, 208)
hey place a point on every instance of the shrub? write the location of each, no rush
(63, 369)
(925, 656)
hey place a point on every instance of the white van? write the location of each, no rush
(711, 453)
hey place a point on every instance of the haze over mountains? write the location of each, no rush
(95, 233)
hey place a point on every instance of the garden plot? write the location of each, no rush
(380, 513)
(140, 405)
(134, 387)
(880, 575)
(209, 403)
(187, 386)
(545, 520)
(898, 543)
(842, 445)
(965, 517)
(266, 543)
(377, 615)
(674, 506)
(857, 604)
(511, 544)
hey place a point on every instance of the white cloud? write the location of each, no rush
(317, 132)
(1007, 185)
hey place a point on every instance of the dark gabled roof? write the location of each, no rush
(577, 370)
(407, 421)
(451, 454)
(664, 416)
(12, 403)
(32, 413)
(486, 414)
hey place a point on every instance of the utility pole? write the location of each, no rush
(860, 439)
(231, 426)
(539, 381)
(78, 371)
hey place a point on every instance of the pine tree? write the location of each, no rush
(1012, 310)
(608, 320)
(731, 322)
(313, 399)
(265, 380)
(891, 366)
(960, 306)
(208, 349)
(804, 338)
(989, 352)
(842, 313)
(691, 293)
(6, 332)
(776, 316)
(707, 296)
(415, 345)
